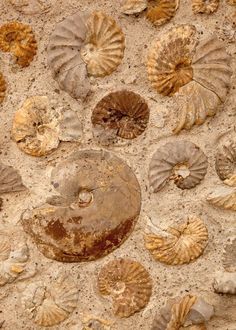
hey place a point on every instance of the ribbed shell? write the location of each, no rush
(163, 11)
(128, 283)
(3, 87)
(5, 247)
(169, 60)
(34, 127)
(184, 244)
(51, 304)
(125, 112)
(224, 197)
(104, 47)
(172, 154)
(229, 257)
(133, 6)
(32, 7)
(225, 282)
(64, 56)
(226, 161)
(205, 7)
(10, 180)
(18, 39)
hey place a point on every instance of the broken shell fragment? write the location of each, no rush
(204, 7)
(225, 282)
(223, 197)
(130, 7)
(229, 258)
(226, 161)
(10, 180)
(50, 304)
(128, 283)
(32, 7)
(162, 11)
(3, 88)
(181, 161)
(101, 199)
(183, 243)
(18, 39)
(200, 312)
(124, 112)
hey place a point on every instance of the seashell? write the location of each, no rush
(229, 259)
(128, 283)
(3, 88)
(10, 180)
(185, 243)
(125, 112)
(31, 7)
(163, 11)
(203, 6)
(225, 282)
(34, 127)
(133, 6)
(200, 312)
(169, 60)
(50, 304)
(182, 161)
(226, 161)
(18, 39)
(223, 197)
(102, 200)
(104, 47)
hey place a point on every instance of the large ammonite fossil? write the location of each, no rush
(96, 211)
(197, 73)
(84, 45)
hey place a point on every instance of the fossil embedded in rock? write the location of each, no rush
(124, 112)
(226, 161)
(104, 46)
(31, 7)
(53, 303)
(3, 88)
(162, 11)
(205, 6)
(232, 2)
(18, 39)
(10, 180)
(223, 197)
(128, 283)
(182, 244)
(101, 203)
(229, 258)
(130, 7)
(181, 161)
(200, 312)
(225, 282)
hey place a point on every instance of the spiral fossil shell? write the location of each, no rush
(10, 180)
(203, 6)
(130, 7)
(31, 7)
(18, 39)
(183, 244)
(124, 112)
(168, 160)
(226, 161)
(229, 257)
(100, 195)
(128, 283)
(162, 11)
(3, 88)
(53, 303)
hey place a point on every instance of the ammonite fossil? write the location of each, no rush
(3, 88)
(225, 282)
(183, 243)
(83, 45)
(229, 257)
(32, 7)
(124, 112)
(98, 208)
(18, 39)
(162, 11)
(198, 74)
(130, 7)
(181, 161)
(128, 283)
(223, 197)
(10, 180)
(205, 7)
(226, 161)
(53, 303)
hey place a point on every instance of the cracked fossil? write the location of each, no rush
(162, 11)
(205, 7)
(10, 180)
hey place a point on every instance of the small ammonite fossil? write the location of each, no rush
(50, 304)
(181, 161)
(10, 180)
(3, 88)
(124, 112)
(181, 245)
(162, 11)
(205, 7)
(226, 161)
(128, 283)
(84, 45)
(18, 39)
(99, 206)
(32, 7)
(130, 7)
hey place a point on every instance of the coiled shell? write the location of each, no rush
(128, 283)
(225, 282)
(18, 39)
(10, 180)
(183, 244)
(205, 7)
(226, 161)
(100, 195)
(3, 88)
(229, 257)
(162, 11)
(167, 161)
(124, 112)
(223, 197)
(50, 304)
(133, 6)
(104, 48)
(32, 7)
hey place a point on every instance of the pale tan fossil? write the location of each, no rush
(162, 11)
(128, 283)
(32, 7)
(205, 7)
(225, 282)
(223, 197)
(182, 244)
(229, 257)
(3, 88)
(130, 7)
(226, 162)
(10, 180)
